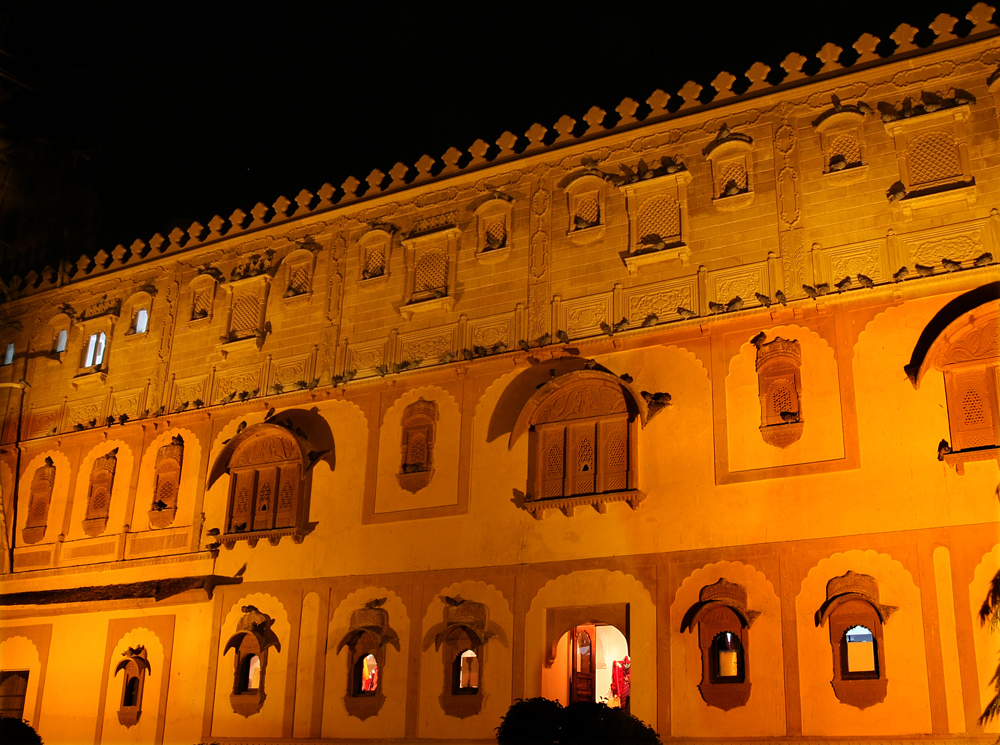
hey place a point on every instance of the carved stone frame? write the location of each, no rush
(779, 363)
(102, 479)
(253, 637)
(636, 196)
(167, 470)
(444, 241)
(586, 187)
(374, 239)
(832, 126)
(733, 148)
(419, 420)
(42, 484)
(485, 216)
(135, 666)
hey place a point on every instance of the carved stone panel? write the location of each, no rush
(102, 479)
(661, 299)
(742, 282)
(166, 483)
(39, 501)
(583, 316)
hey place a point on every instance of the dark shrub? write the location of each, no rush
(538, 721)
(18, 732)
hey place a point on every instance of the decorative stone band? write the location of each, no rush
(567, 505)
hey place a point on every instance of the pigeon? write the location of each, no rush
(735, 304)
(789, 416)
(716, 307)
(562, 337)
(545, 339)
(627, 378)
(213, 532)
(764, 300)
(865, 108)
(731, 190)
(758, 340)
(943, 449)
(780, 297)
(590, 364)
(467, 354)
(896, 194)
(983, 260)
(685, 313)
(838, 163)
(962, 97)
(453, 602)
(844, 284)
(479, 351)
(214, 546)
(810, 291)
(900, 275)
(924, 271)
(865, 281)
(888, 111)
(835, 100)
(621, 325)
(951, 266)
(607, 329)
(823, 288)
(582, 223)
(239, 527)
(723, 132)
(447, 357)
(376, 603)
(651, 320)
(159, 505)
(242, 426)
(525, 347)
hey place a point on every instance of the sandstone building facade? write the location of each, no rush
(641, 408)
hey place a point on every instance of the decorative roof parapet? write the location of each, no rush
(725, 87)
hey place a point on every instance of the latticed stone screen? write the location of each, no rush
(495, 229)
(733, 171)
(933, 157)
(202, 304)
(246, 314)
(375, 261)
(298, 283)
(972, 409)
(660, 215)
(431, 272)
(782, 397)
(588, 208)
(584, 458)
(846, 146)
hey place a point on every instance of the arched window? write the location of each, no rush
(38, 502)
(419, 423)
(723, 622)
(141, 323)
(94, 353)
(135, 666)
(102, 481)
(268, 486)
(463, 648)
(855, 617)
(583, 449)
(166, 483)
(779, 379)
(366, 643)
(251, 645)
(466, 673)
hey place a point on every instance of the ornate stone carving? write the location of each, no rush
(780, 385)
(39, 500)
(102, 479)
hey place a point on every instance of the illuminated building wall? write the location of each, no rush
(377, 461)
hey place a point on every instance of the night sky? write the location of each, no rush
(177, 112)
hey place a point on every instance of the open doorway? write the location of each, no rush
(590, 663)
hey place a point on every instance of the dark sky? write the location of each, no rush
(188, 110)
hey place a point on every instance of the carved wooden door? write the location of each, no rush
(582, 684)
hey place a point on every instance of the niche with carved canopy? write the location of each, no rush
(38, 502)
(417, 445)
(366, 642)
(856, 616)
(135, 667)
(582, 442)
(462, 642)
(723, 620)
(779, 379)
(166, 483)
(251, 645)
(102, 481)
(731, 156)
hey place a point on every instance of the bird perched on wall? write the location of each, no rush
(621, 325)
(780, 297)
(943, 449)
(582, 223)
(723, 132)
(655, 401)
(607, 329)
(447, 357)
(888, 111)
(239, 527)
(731, 190)
(932, 101)
(759, 340)
(865, 108)
(651, 320)
(716, 307)
(545, 339)
(589, 364)
(453, 602)
(735, 304)
(213, 546)
(865, 281)
(835, 101)
(562, 337)
(983, 260)
(376, 603)
(962, 97)
(764, 300)
(242, 426)
(838, 162)
(627, 378)
(951, 266)
(810, 291)
(213, 532)
(685, 313)
(467, 355)
(479, 350)
(499, 347)
(525, 347)
(823, 288)
(844, 284)
(159, 505)
(924, 271)
(896, 193)
(788, 417)
(900, 275)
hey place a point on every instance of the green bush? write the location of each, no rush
(538, 721)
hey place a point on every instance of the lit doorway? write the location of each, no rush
(590, 663)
